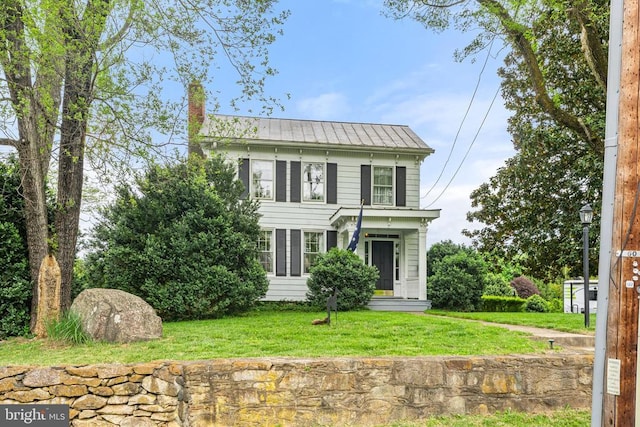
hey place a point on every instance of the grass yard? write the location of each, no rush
(287, 333)
(560, 418)
(567, 322)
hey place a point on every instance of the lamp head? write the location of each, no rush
(586, 215)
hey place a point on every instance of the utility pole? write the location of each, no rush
(619, 397)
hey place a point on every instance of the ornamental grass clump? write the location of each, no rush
(67, 329)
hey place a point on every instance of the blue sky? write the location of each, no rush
(342, 60)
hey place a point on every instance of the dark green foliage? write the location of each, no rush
(342, 270)
(458, 282)
(503, 304)
(535, 303)
(497, 285)
(438, 251)
(284, 306)
(15, 285)
(530, 206)
(524, 287)
(183, 241)
(556, 305)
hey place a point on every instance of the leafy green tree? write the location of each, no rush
(522, 25)
(438, 251)
(496, 285)
(182, 240)
(458, 282)
(344, 271)
(554, 83)
(84, 80)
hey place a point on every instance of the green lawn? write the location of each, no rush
(287, 333)
(567, 322)
(364, 333)
(560, 418)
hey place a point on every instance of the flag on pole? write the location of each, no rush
(353, 244)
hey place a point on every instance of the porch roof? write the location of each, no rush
(374, 217)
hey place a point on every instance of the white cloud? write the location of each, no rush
(326, 106)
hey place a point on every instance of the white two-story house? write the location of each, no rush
(311, 178)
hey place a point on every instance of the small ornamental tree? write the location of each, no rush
(524, 287)
(345, 272)
(183, 241)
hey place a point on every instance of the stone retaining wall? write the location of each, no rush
(302, 392)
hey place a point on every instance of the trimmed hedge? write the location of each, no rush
(502, 304)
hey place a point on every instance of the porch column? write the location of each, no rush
(422, 260)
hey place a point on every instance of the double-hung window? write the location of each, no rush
(262, 179)
(382, 185)
(265, 250)
(313, 182)
(313, 244)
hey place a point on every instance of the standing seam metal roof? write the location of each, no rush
(346, 134)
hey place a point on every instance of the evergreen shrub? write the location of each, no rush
(183, 240)
(536, 304)
(344, 271)
(458, 282)
(494, 303)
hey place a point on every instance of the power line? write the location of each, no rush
(468, 149)
(455, 140)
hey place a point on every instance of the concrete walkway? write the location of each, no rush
(568, 340)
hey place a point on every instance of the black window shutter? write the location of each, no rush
(243, 175)
(281, 181)
(295, 182)
(401, 186)
(332, 183)
(296, 253)
(281, 252)
(365, 184)
(332, 239)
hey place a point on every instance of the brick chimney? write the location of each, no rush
(196, 101)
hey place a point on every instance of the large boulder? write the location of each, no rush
(113, 315)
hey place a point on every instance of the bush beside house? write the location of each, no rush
(344, 271)
(183, 240)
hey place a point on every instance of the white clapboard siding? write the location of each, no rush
(349, 146)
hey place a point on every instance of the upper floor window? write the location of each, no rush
(265, 250)
(313, 244)
(262, 179)
(313, 182)
(383, 185)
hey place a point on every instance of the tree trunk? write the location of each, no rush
(49, 295)
(78, 89)
(35, 209)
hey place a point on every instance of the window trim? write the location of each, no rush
(270, 233)
(303, 248)
(272, 181)
(303, 182)
(373, 185)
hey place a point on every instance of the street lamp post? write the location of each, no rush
(586, 216)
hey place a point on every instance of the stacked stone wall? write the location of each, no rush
(302, 392)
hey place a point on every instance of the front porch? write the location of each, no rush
(394, 241)
(386, 303)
